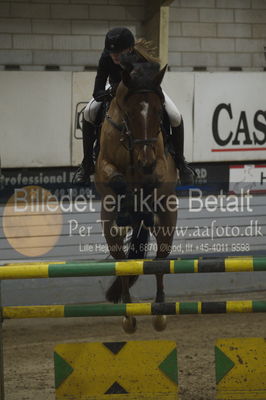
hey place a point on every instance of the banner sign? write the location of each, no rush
(45, 216)
(230, 117)
(251, 177)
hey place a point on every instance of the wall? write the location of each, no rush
(67, 33)
(38, 34)
(214, 34)
(86, 290)
(217, 34)
(38, 116)
(35, 118)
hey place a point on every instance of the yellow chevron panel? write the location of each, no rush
(116, 371)
(241, 368)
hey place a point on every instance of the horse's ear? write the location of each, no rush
(159, 77)
(126, 78)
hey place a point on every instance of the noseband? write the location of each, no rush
(124, 129)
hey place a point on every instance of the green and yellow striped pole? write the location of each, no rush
(104, 310)
(131, 267)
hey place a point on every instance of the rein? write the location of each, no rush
(119, 127)
(124, 130)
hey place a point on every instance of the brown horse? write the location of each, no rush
(136, 177)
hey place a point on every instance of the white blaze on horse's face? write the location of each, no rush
(144, 113)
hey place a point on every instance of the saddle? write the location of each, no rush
(98, 125)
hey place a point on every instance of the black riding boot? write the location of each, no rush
(186, 173)
(87, 167)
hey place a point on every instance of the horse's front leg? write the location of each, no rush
(109, 177)
(129, 322)
(126, 298)
(164, 244)
(112, 183)
(124, 200)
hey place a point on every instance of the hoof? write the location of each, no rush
(159, 322)
(129, 324)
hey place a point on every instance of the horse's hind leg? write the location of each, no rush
(140, 237)
(126, 298)
(129, 322)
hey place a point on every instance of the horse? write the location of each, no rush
(136, 178)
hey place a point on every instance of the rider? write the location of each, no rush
(119, 41)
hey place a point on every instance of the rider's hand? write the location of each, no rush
(100, 95)
(104, 95)
(109, 93)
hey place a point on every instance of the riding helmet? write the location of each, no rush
(118, 39)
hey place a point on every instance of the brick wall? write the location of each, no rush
(212, 34)
(217, 34)
(66, 33)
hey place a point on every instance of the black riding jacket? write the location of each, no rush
(108, 69)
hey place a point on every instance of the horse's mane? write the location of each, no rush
(142, 64)
(141, 73)
(147, 50)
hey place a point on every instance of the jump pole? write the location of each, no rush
(108, 310)
(131, 267)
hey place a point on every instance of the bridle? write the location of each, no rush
(124, 129)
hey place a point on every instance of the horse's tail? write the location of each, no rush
(137, 250)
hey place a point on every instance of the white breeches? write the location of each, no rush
(92, 108)
(173, 113)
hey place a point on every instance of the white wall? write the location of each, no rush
(83, 83)
(35, 125)
(38, 112)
